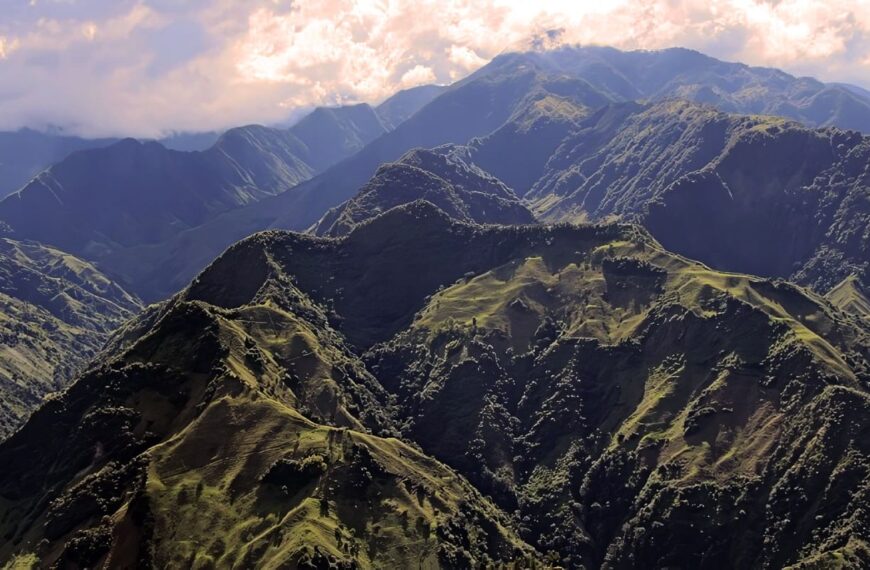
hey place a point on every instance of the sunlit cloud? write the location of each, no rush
(146, 67)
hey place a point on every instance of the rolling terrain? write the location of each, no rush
(621, 406)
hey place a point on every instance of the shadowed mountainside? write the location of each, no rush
(439, 176)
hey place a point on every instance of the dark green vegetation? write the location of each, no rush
(621, 405)
(56, 311)
(440, 176)
(233, 426)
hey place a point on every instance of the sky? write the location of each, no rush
(151, 67)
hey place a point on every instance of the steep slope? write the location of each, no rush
(334, 133)
(518, 152)
(57, 312)
(98, 202)
(692, 175)
(235, 437)
(641, 410)
(439, 176)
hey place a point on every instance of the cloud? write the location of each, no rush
(147, 67)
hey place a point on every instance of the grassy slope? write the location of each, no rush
(179, 429)
(849, 296)
(57, 312)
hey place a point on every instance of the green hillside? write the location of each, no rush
(57, 311)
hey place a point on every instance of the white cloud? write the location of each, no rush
(143, 67)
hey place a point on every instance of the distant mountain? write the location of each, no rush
(400, 107)
(190, 141)
(630, 407)
(57, 311)
(731, 87)
(439, 176)
(131, 193)
(26, 153)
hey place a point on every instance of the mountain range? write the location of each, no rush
(584, 308)
(257, 178)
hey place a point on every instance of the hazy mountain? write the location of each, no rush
(731, 87)
(57, 311)
(26, 153)
(130, 193)
(439, 176)
(513, 114)
(630, 407)
(190, 141)
(521, 107)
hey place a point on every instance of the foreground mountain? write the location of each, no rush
(441, 177)
(236, 437)
(631, 408)
(57, 311)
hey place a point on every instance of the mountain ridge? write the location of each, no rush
(453, 347)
